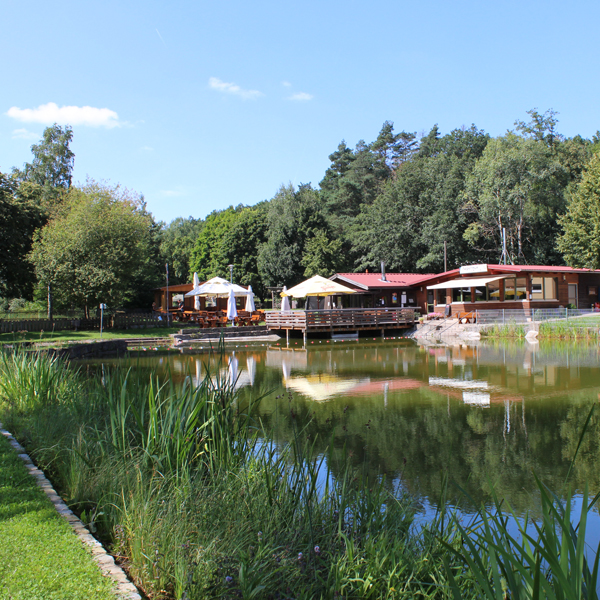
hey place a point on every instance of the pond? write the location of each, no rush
(482, 413)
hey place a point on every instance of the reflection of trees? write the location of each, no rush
(421, 435)
(539, 405)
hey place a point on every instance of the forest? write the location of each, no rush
(398, 199)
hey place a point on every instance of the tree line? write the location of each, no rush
(399, 199)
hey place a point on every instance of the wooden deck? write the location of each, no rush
(341, 320)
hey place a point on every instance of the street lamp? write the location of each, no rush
(230, 273)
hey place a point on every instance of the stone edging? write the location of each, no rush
(124, 588)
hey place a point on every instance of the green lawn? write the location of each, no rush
(82, 336)
(40, 556)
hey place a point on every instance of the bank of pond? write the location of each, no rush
(205, 484)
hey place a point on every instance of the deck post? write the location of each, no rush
(287, 336)
(304, 336)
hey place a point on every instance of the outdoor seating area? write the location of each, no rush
(219, 318)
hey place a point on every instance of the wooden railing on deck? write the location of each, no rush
(341, 319)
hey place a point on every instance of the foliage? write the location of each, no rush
(580, 240)
(99, 246)
(52, 165)
(322, 255)
(548, 559)
(517, 185)
(20, 215)
(421, 208)
(177, 241)
(293, 217)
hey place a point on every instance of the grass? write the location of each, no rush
(182, 484)
(81, 336)
(40, 557)
(510, 330)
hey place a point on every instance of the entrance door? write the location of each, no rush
(573, 294)
(430, 307)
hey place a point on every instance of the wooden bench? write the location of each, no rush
(466, 317)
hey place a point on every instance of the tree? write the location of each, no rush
(98, 246)
(20, 215)
(322, 255)
(421, 207)
(541, 128)
(293, 217)
(517, 184)
(240, 246)
(53, 161)
(207, 253)
(177, 241)
(580, 239)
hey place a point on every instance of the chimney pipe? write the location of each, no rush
(383, 271)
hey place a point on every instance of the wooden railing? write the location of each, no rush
(341, 319)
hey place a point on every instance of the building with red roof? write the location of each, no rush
(485, 287)
(382, 289)
(475, 287)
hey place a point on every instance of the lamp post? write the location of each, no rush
(230, 273)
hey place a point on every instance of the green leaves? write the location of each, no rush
(97, 243)
(580, 241)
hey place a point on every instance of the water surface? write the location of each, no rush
(481, 413)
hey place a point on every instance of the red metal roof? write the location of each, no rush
(373, 280)
(492, 268)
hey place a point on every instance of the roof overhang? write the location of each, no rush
(362, 286)
(465, 282)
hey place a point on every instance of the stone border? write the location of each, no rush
(124, 588)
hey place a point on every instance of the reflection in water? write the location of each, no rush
(485, 414)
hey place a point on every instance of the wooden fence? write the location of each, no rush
(134, 321)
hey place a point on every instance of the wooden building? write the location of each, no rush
(486, 287)
(377, 290)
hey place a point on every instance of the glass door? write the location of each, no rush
(573, 294)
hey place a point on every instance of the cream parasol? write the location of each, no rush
(317, 286)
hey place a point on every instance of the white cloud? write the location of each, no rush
(24, 134)
(171, 193)
(286, 84)
(214, 83)
(147, 148)
(301, 97)
(50, 113)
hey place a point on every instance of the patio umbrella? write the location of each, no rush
(231, 308)
(219, 288)
(196, 283)
(317, 286)
(250, 300)
(285, 303)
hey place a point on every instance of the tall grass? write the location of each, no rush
(509, 330)
(182, 485)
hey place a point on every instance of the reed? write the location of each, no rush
(185, 487)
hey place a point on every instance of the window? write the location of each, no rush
(493, 290)
(480, 294)
(537, 288)
(543, 288)
(509, 288)
(461, 294)
(521, 290)
(441, 297)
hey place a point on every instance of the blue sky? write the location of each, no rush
(200, 105)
